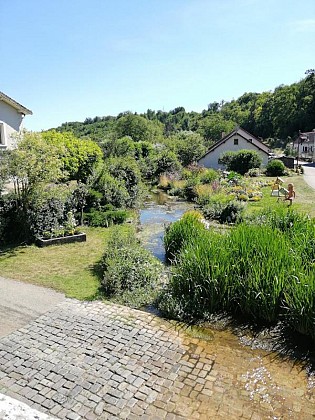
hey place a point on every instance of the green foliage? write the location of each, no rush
(47, 212)
(166, 161)
(224, 209)
(108, 190)
(137, 127)
(275, 168)
(241, 161)
(119, 182)
(263, 269)
(31, 165)
(107, 218)
(127, 267)
(189, 146)
(299, 298)
(178, 233)
(212, 125)
(199, 281)
(208, 176)
(121, 147)
(78, 156)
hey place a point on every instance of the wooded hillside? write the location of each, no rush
(276, 116)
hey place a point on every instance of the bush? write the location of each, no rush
(208, 176)
(224, 211)
(275, 168)
(241, 161)
(127, 266)
(255, 172)
(98, 218)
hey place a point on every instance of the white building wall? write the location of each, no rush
(211, 160)
(11, 121)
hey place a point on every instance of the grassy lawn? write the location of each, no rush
(67, 268)
(304, 201)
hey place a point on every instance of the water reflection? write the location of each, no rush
(159, 211)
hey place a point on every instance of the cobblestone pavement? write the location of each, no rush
(88, 360)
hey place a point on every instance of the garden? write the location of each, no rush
(241, 252)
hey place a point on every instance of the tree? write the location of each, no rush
(138, 128)
(189, 146)
(241, 161)
(78, 156)
(119, 180)
(123, 147)
(211, 127)
(167, 161)
(32, 164)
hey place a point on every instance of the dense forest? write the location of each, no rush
(275, 116)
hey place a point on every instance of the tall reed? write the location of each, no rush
(181, 232)
(299, 303)
(261, 261)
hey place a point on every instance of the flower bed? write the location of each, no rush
(80, 237)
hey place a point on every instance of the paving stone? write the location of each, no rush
(89, 360)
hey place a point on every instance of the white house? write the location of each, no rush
(238, 139)
(11, 117)
(304, 146)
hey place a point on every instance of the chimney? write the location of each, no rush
(222, 134)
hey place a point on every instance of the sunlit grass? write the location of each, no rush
(69, 268)
(304, 201)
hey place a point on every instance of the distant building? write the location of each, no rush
(11, 117)
(238, 139)
(304, 146)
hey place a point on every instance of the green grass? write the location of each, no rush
(304, 201)
(71, 268)
(262, 269)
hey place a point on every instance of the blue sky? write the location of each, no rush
(71, 59)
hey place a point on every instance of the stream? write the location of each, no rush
(158, 211)
(257, 381)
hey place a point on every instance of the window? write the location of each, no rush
(236, 142)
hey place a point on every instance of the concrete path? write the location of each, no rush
(309, 174)
(88, 360)
(11, 409)
(22, 302)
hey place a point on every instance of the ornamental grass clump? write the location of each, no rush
(181, 232)
(261, 262)
(299, 303)
(200, 282)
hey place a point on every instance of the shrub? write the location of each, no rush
(105, 218)
(127, 266)
(275, 168)
(189, 191)
(254, 172)
(241, 161)
(224, 211)
(208, 176)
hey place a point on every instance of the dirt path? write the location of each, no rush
(22, 302)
